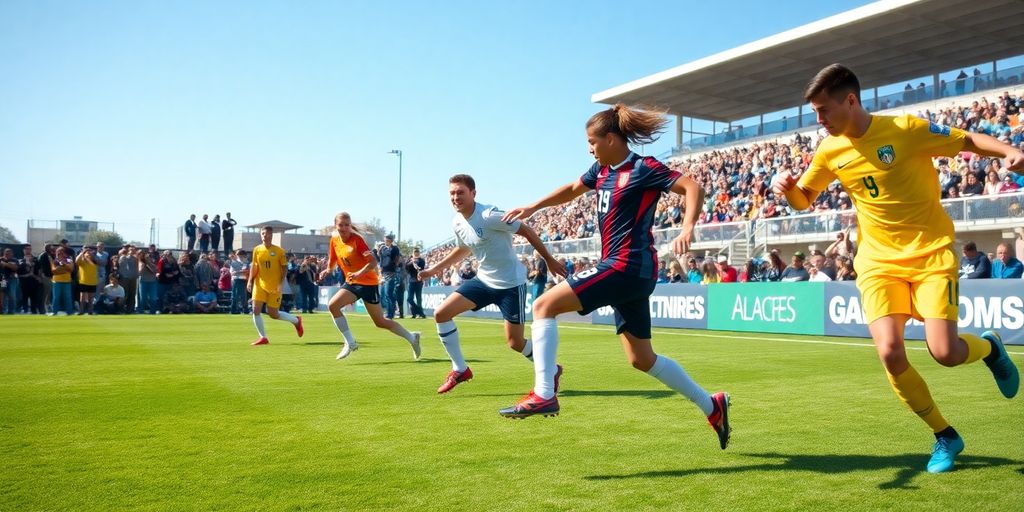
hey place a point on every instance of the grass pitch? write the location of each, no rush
(180, 413)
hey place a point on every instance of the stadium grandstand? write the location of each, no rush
(966, 75)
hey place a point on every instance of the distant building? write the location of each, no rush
(41, 232)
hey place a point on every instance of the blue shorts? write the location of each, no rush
(629, 296)
(370, 293)
(511, 301)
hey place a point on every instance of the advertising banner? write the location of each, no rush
(679, 305)
(794, 308)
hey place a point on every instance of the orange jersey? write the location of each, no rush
(352, 256)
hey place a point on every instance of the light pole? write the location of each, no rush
(399, 153)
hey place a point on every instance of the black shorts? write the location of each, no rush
(629, 296)
(511, 301)
(370, 293)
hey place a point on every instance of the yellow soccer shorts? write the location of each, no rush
(925, 287)
(271, 299)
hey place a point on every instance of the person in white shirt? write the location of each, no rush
(817, 275)
(205, 229)
(500, 278)
(111, 299)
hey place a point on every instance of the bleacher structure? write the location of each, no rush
(885, 43)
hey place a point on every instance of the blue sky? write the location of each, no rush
(125, 111)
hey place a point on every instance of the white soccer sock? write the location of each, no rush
(545, 350)
(528, 350)
(342, 324)
(287, 317)
(449, 335)
(401, 331)
(258, 320)
(672, 375)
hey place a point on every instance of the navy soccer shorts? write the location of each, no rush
(511, 301)
(629, 296)
(369, 293)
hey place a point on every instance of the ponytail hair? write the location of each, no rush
(346, 216)
(636, 125)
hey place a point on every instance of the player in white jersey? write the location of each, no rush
(500, 279)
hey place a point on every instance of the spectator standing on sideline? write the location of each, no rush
(227, 227)
(306, 280)
(167, 274)
(44, 269)
(206, 271)
(413, 267)
(9, 289)
(102, 258)
(87, 275)
(388, 256)
(215, 234)
(190, 232)
(539, 275)
(128, 275)
(28, 281)
(61, 266)
(796, 271)
(148, 283)
(187, 275)
(239, 276)
(974, 264)
(403, 283)
(1005, 266)
(205, 230)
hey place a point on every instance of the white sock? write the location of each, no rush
(672, 375)
(342, 324)
(258, 320)
(528, 350)
(287, 317)
(401, 331)
(545, 350)
(449, 335)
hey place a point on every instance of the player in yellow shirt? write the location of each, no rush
(350, 252)
(267, 271)
(905, 264)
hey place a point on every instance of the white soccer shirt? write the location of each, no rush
(490, 239)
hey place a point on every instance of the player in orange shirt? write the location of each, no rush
(350, 252)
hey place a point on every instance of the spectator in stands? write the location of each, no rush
(844, 269)
(128, 275)
(992, 184)
(815, 274)
(224, 281)
(206, 271)
(205, 230)
(1008, 185)
(175, 301)
(167, 275)
(538, 275)
(8, 283)
(30, 284)
(61, 267)
(87, 275)
(726, 273)
(227, 227)
(843, 246)
(190, 232)
(1005, 266)
(215, 233)
(693, 273)
(822, 264)
(103, 265)
(796, 271)
(149, 286)
(709, 273)
(239, 276)
(974, 264)
(466, 271)
(775, 267)
(205, 301)
(111, 299)
(675, 272)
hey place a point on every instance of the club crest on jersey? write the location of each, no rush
(887, 154)
(623, 179)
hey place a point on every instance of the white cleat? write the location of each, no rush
(416, 346)
(347, 349)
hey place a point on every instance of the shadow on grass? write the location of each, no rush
(323, 343)
(906, 466)
(424, 360)
(651, 394)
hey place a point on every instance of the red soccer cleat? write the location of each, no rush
(719, 418)
(531, 404)
(298, 326)
(453, 379)
(261, 341)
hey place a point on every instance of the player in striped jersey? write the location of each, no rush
(628, 187)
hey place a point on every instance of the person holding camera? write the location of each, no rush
(87, 279)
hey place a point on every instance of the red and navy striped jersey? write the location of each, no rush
(627, 195)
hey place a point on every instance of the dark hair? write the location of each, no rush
(835, 80)
(464, 179)
(268, 228)
(636, 125)
(970, 246)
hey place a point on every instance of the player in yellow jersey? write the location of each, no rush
(905, 263)
(266, 272)
(362, 281)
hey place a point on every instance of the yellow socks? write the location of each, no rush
(912, 390)
(977, 348)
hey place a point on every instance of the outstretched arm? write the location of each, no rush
(693, 195)
(562, 194)
(458, 254)
(530, 235)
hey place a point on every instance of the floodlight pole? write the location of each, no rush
(399, 153)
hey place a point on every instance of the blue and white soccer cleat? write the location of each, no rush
(1005, 372)
(944, 452)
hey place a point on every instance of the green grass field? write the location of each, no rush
(180, 413)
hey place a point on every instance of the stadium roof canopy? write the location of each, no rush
(276, 224)
(885, 42)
